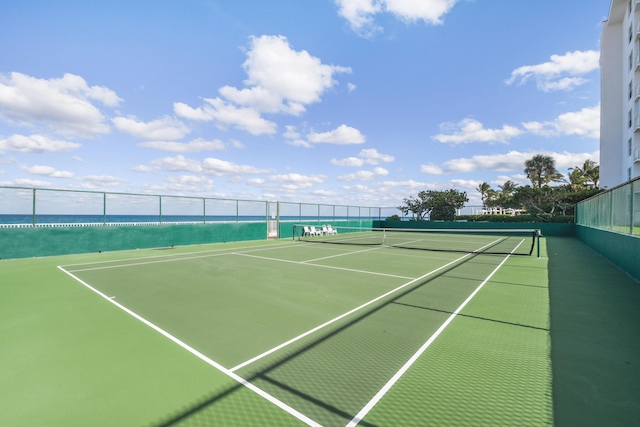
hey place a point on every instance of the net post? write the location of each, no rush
(538, 233)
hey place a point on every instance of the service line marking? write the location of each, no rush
(317, 328)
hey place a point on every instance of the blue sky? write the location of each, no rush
(359, 102)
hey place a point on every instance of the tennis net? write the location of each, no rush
(486, 241)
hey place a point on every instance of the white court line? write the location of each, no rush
(165, 260)
(365, 410)
(204, 358)
(321, 266)
(277, 245)
(317, 328)
(342, 254)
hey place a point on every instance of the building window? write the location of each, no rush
(629, 143)
(630, 117)
(631, 61)
(629, 174)
(630, 6)
(630, 32)
(630, 89)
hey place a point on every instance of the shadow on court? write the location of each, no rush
(595, 338)
(329, 378)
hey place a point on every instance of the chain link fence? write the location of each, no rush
(34, 207)
(617, 209)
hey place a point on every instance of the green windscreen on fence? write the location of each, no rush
(615, 210)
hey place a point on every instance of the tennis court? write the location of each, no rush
(282, 332)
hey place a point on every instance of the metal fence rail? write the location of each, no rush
(43, 207)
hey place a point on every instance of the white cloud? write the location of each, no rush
(360, 13)
(222, 167)
(62, 105)
(291, 133)
(431, 169)
(182, 184)
(585, 122)
(342, 135)
(103, 179)
(429, 11)
(166, 128)
(279, 80)
(295, 181)
(298, 178)
(349, 161)
(562, 72)
(351, 87)
(226, 114)
(198, 144)
(507, 162)
(47, 171)
(178, 163)
(364, 175)
(209, 166)
(470, 130)
(366, 156)
(35, 144)
(25, 182)
(299, 143)
(372, 157)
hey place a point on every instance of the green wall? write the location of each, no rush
(623, 250)
(47, 241)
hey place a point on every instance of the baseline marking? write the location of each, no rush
(202, 357)
(365, 410)
(163, 260)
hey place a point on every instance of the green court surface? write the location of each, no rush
(289, 333)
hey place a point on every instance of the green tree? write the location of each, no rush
(508, 188)
(483, 189)
(589, 174)
(438, 205)
(541, 170)
(577, 179)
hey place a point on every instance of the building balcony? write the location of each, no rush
(636, 155)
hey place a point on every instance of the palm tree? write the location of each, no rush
(589, 172)
(483, 189)
(508, 188)
(541, 170)
(576, 178)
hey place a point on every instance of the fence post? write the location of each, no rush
(33, 210)
(631, 208)
(160, 208)
(104, 208)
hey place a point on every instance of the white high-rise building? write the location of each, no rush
(620, 94)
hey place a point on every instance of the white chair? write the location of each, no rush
(325, 230)
(314, 232)
(331, 230)
(306, 231)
